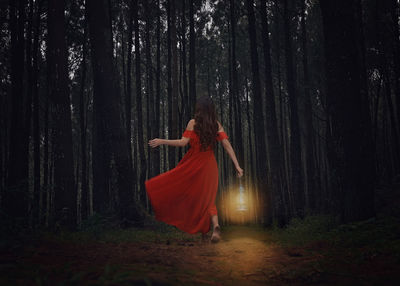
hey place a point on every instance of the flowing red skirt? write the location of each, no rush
(185, 195)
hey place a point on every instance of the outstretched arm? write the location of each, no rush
(173, 142)
(170, 142)
(229, 149)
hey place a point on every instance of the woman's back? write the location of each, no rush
(195, 140)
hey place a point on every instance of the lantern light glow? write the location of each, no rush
(240, 204)
(241, 201)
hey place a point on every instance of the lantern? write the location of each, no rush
(241, 203)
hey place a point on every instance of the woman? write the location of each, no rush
(185, 195)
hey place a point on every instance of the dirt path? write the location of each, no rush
(238, 259)
(244, 256)
(240, 256)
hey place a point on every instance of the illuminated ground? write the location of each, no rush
(245, 256)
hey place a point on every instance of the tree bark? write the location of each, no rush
(274, 148)
(172, 96)
(394, 9)
(151, 116)
(234, 87)
(192, 59)
(258, 117)
(185, 101)
(385, 31)
(311, 175)
(250, 133)
(171, 150)
(46, 163)
(143, 165)
(66, 193)
(350, 144)
(36, 126)
(128, 101)
(296, 171)
(158, 91)
(106, 102)
(82, 125)
(16, 196)
(128, 95)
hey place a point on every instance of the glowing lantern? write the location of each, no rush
(241, 206)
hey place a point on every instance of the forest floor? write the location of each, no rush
(313, 251)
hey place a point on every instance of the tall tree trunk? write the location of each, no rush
(230, 100)
(350, 148)
(250, 134)
(181, 106)
(110, 23)
(234, 87)
(185, 106)
(121, 27)
(173, 99)
(33, 205)
(364, 88)
(394, 9)
(107, 99)
(192, 59)
(100, 156)
(385, 142)
(295, 147)
(46, 163)
(65, 196)
(36, 128)
(128, 95)
(82, 125)
(309, 140)
(171, 150)
(128, 101)
(169, 78)
(15, 200)
(384, 31)
(143, 165)
(258, 118)
(158, 91)
(163, 126)
(274, 148)
(149, 87)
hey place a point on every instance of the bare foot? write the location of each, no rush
(216, 235)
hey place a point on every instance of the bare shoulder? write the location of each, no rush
(220, 128)
(190, 125)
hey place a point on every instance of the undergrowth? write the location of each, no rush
(378, 234)
(106, 229)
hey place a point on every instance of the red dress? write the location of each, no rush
(185, 195)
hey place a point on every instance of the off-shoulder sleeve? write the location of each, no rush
(187, 133)
(221, 136)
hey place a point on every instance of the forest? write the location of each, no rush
(308, 92)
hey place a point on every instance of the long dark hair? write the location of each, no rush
(206, 126)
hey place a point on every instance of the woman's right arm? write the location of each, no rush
(173, 142)
(229, 149)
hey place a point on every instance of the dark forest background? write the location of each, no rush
(308, 92)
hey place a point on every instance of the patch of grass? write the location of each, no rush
(301, 231)
(109, 274)
(145, 235)
(380, 235)
(370, 237)
(121, 235)
(105, 229)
